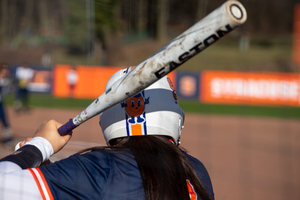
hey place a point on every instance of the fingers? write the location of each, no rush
(24, 141)
(48, 130)
(20, 144)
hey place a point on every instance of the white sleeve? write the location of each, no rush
(19, 184)
(7, 166)
(43, 145)
(28, 184)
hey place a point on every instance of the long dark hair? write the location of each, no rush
(163, 166)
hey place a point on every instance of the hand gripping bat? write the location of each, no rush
(204, 33)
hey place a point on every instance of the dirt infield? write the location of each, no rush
(247, 157)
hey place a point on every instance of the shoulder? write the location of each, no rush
(95, 160)
(106, 173)
(195, 162)
(198, 166)
(82, 175)
(100, 158)
(201, 172)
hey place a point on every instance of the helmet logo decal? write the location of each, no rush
(135, 114)
(173, 88)
(135, 106)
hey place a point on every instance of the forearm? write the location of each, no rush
(31, 155)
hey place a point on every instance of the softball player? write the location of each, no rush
(142, 160)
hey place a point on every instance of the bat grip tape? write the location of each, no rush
(66, 128)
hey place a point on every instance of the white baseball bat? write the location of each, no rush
(210, 29)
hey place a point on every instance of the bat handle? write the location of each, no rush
(66, 128)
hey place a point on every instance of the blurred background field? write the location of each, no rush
(285, 112)
(251, 150)
(124, 33)
(265, 54)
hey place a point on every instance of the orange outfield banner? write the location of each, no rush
(90, 83)
(250, 88)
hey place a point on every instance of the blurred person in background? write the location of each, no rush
(4, 85)
(24, 75)
(46, 60)
(72, 79)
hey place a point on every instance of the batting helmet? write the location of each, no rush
(154, 111)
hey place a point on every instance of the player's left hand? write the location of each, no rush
(48, 130)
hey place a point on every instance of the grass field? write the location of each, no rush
(46, 100)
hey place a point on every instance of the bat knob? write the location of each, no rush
(236, 11)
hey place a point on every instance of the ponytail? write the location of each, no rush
(163, 167)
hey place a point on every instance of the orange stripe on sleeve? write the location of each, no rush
(193, 195)
(37, 183)
(46, 184)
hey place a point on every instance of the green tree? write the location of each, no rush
(88, 22)
(75, 28)
(43, 16)
(4, 18)
(106, 29)
(162, 13)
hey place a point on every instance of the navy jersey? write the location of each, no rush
(103, 174)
